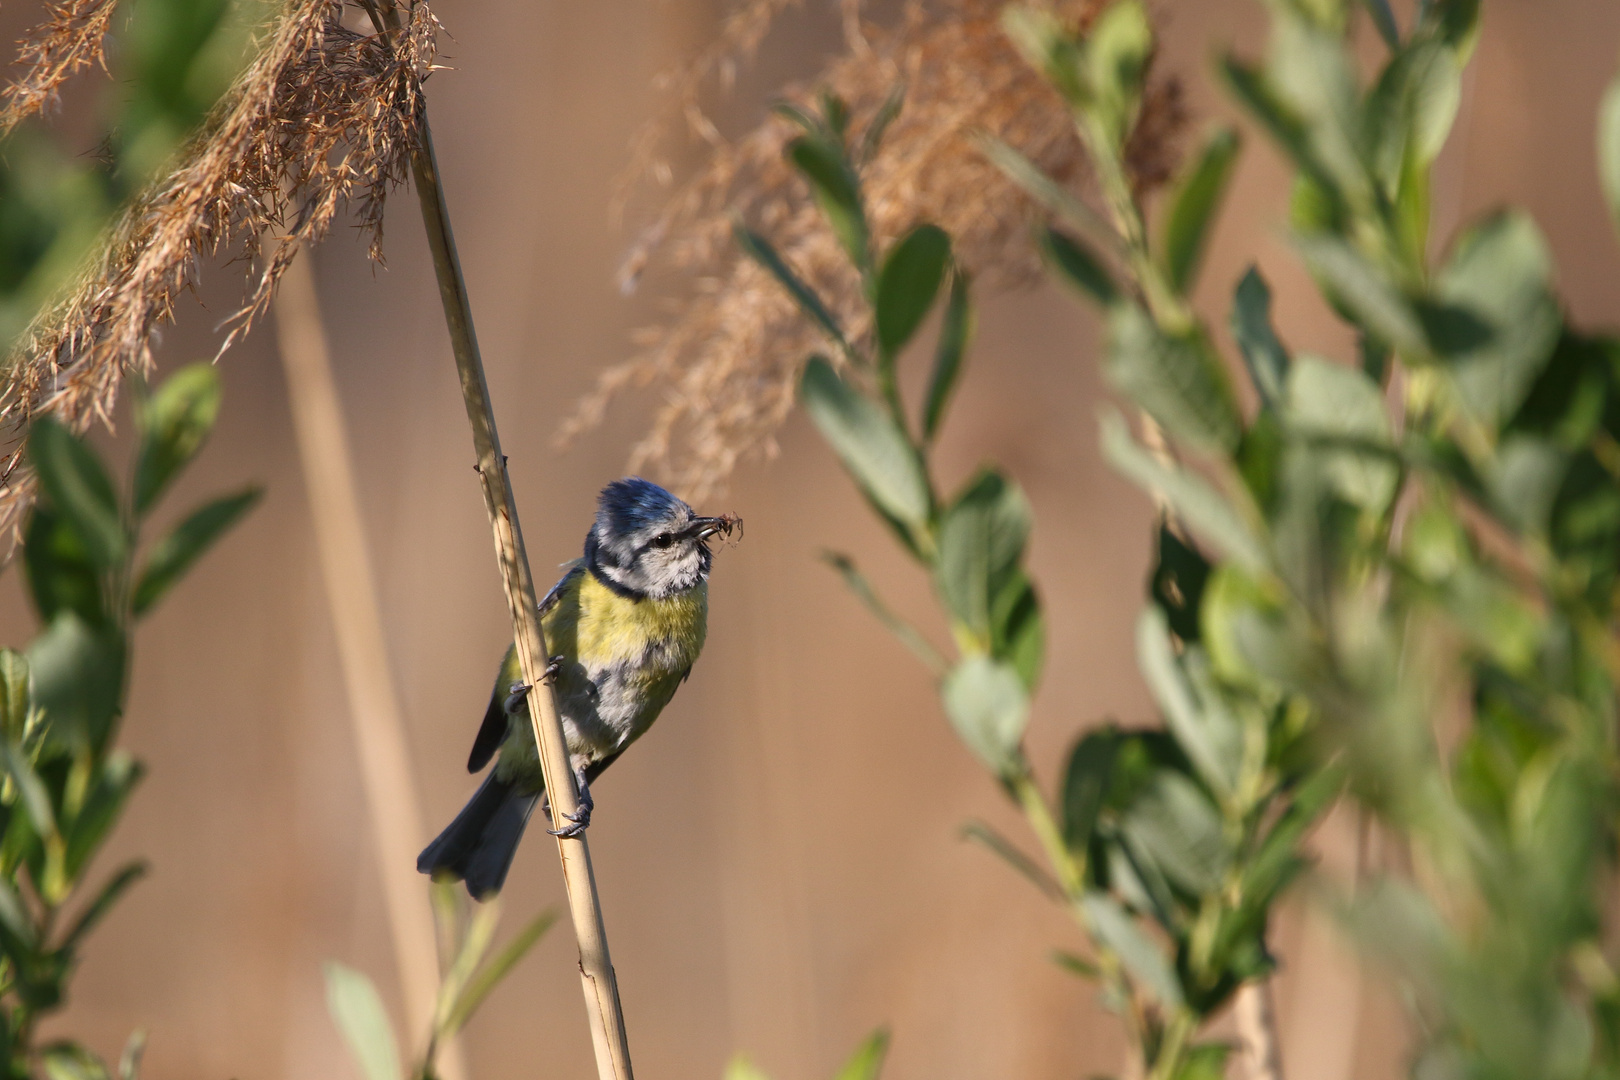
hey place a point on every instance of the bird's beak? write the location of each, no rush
(704, 527)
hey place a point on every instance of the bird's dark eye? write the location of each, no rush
(663, 540)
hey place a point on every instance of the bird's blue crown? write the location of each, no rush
(630, 505)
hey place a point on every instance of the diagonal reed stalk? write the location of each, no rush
(595, 966)
(379, 731)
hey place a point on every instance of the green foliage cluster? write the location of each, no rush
(1394, 579)
(1193, 829)
(470, 973)
(172, 59)
(65, 782)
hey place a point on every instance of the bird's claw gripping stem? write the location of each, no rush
(515, 696)
(580, 820)
(518, 692)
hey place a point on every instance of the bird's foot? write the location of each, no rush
(553, 669)
(515, 695)
(579, 820)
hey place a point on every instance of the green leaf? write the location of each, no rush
(790, 112)
(1075, 965)
(867, 1061)
(1179, 574)
(17, 930)
(1328, 401)
(1199, 506)
(174, 422)
(886, 114)
(1086, 783)
(116, 778)
(987, 705)
(98, 908)
(1384, 19)
(1413, 108)
(1277, 859)
(490, 975)
(759, 249)
(1255, 93)
(1364, 292)
(78, 674)
(175, 553)
(61, 576)
(837, 192)
(1246, 633)
(1193, 204)
(35, 799)
(1071, 260)
(1496, 321)
(1178, 380)
(476, 942)
(358, 1012)
(954, 334)
(1310, 70)
(1175, 825)
(1206, 1061)
(1193, 710)
(1056, 198)
(981, 541)
(1117, 931)
(15, 694)
(741, 1068)
(1010, 854)
(906, 286)
(863, 590)
(1140, 884)
(1049, 47)
(1117, 50)
(1609, 149)
(71, 1061)
(835, 111)
(1263, 353)
(872, 447)
(1455, 22)
(1017, 628)
(77, 485)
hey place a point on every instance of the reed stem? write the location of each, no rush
(1259, 1055)
(595, 966)
(379, 730)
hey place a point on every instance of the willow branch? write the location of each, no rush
(351, 595)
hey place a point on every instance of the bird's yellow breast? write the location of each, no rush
(597, 627)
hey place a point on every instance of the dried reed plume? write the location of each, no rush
(728, 359)
(323, 117)
(70, 38)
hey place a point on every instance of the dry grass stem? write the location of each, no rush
(727, 358)
(70, 38)
(322, 119)
(327, 464)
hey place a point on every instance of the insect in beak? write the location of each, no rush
(704, 527)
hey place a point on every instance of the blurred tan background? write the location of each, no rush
(779, 858)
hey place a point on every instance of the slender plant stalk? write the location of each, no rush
(595, 966)
(379, 731)
(1259, 1055)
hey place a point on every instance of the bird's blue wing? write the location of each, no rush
(492, 732)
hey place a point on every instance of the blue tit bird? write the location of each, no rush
(624, 626)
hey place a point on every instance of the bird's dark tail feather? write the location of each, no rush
(477, 847)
